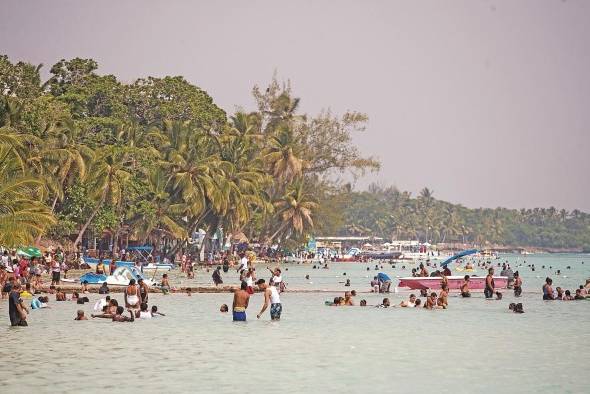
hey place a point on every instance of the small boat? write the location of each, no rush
(455, 282)
(120, 277)
(162, 267)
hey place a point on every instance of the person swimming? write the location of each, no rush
(80, 315)
(384, 304)
(143, 312)
(411, 303)
(223, 308)
(155, 311)
(118, 317)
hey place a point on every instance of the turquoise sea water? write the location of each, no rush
(474, 346)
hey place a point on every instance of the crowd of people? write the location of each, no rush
(21, 281)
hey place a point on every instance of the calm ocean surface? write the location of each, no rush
(474, 346)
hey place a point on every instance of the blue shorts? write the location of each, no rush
(239, 316)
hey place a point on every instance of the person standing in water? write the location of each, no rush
(489, 290)
(143, 291)
(132, 296)
(217, 276)
(17, 311)
(517, 284)
(271, 296)
(240, 303)
(465, 287)
(548, 290)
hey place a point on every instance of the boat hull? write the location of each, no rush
(454, 282)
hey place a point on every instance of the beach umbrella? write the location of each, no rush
(29, 252)
(458, 255)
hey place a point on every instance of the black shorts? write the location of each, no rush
(7, 288)
(55, 276)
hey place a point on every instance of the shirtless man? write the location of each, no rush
(423, 271)
(143, 291)
(465, 287)
(271, 296)
(165, 285)
(430, 301)
(240, 303)
(489, 290)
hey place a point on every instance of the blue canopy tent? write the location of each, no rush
(458, 256)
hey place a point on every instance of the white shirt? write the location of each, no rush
(243, 263)
(274, 295)
(100, 304)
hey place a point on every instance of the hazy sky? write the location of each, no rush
(486, 102)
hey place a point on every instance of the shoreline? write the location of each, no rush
(93, 289)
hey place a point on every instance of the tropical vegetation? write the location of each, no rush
(86, 158)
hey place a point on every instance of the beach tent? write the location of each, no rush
(29, 252)
(458, 255)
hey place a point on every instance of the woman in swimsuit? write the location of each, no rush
(100, 268)
(132, 295)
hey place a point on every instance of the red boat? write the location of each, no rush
(455, 282)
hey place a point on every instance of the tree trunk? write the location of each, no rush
(85, 226)
(281, 228)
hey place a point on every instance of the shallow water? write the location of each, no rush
(475, 345)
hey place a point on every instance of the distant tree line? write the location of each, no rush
(391, 213)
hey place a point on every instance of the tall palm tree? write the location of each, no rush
(284, 155)
(159, 211)
(295, 210)
(108, 176)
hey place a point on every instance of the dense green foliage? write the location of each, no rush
(156, 160)
(392, 214)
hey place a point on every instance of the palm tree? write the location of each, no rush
(284, 155)
(158, 210)
(295, 210)
(22, 214)
(108, 176)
